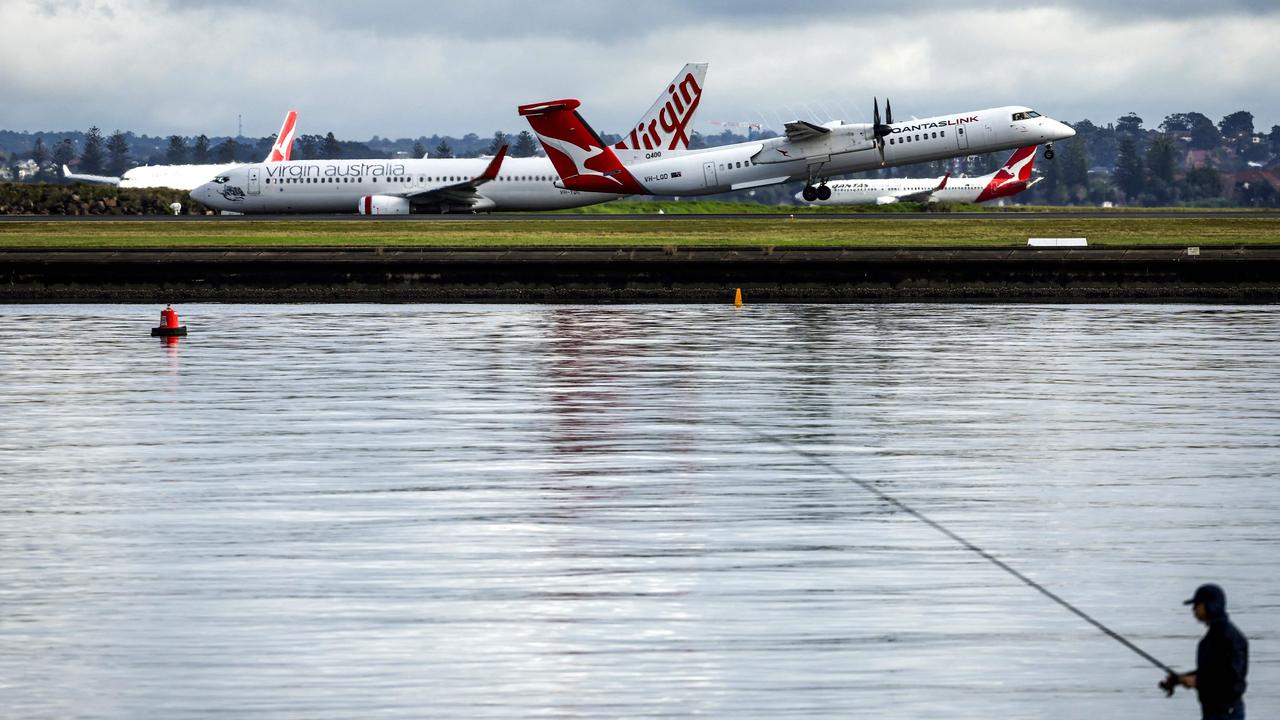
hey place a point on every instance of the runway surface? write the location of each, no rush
(508, 217)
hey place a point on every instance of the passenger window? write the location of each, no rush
(944, 133)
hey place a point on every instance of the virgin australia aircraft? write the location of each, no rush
(1009, 180)
(808, 152)
(188, 177)
(400, 187)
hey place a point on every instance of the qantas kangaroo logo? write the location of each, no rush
(668, 130)
(284, 141)
(1016, 167)
(577, 155)
(1012, 178)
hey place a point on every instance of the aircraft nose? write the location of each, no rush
(203, 193)
(1062, 131)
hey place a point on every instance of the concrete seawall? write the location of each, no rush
(1100, 274)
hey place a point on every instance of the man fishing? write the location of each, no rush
(1222, 659)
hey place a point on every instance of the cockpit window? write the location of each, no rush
(222, 179)
(1032, 114)
(1019, 116)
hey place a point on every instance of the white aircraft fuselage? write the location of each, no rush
(846, 149)
(337, 186)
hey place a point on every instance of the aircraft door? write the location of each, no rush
(962, 138)
(254, 186)
(709, 174)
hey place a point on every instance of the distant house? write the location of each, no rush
(1257, 176)
(27, 169)
(1198, 158)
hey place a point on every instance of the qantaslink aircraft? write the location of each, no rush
(1009, 180)
(400, 187)
(808, 152)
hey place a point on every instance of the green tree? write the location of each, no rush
(1274, 137)
(91, 155)
(1204, 134)
(1203, 183)
(499, 139)
(330, 149)
(1074, 164)
(1257, 193)
(176, 152)
(63, 153)
(1238, 124)
(40, 153)
(419, 150)
(1130, 124)
(525, 145)
(1129, 173)
(117, 153)
(308, 147)
(200, 154)
(1161, 158)
(443, 150)
(228, 151)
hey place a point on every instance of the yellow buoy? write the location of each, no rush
(737, 297)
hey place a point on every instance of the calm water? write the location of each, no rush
(509, 511)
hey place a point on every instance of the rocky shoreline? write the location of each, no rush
(564, 275)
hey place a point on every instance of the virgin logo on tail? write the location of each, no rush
(581, 159)
(665, 126)
(284, 141)
(1012, 178)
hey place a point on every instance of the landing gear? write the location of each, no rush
(1048, 151)
(820, 192)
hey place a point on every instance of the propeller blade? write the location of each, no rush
(877, 113)
(888, 113)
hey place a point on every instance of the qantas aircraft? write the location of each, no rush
(808, 152)
(1009, 180)
(399, 187)
(188, 177)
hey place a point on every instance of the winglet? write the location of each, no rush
(491, 171)
(66, 171)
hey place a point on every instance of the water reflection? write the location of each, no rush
(475, 511)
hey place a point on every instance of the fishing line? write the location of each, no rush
(820, 461)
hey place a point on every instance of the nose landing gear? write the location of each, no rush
(1048, 151)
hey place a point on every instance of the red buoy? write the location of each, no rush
(169, 326)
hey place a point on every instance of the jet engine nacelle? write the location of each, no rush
(383, 205)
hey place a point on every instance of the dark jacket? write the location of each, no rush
(1222, 661)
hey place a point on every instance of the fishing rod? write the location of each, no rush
(1168, 685)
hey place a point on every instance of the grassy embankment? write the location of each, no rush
(677, 232)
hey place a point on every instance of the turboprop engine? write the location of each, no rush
(383, 205)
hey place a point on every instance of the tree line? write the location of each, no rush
(1187, 159)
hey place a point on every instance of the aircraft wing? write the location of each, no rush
(800, 130)
(922, 195)
(460, 193)
(98, 179)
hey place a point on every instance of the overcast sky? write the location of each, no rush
(404, 68)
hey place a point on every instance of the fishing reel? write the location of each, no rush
(1170, 683)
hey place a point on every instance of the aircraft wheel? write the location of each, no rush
(1048, 153)
(810, 193)
(824, 192)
